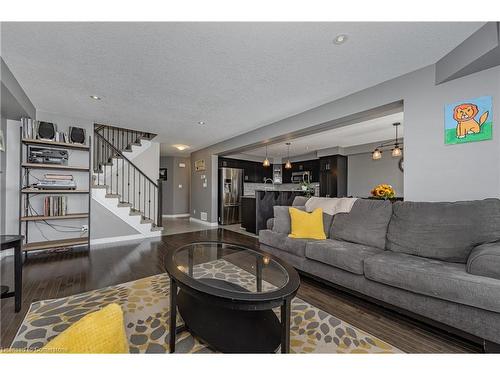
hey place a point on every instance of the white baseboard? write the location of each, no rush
(175, 216)
(100, 241)
(207, 223)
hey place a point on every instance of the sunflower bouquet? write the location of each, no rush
(383, 191)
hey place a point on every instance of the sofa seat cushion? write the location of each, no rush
(345, 255)
(435, 278)
(281, 241)
(445, 231)
(365, 224)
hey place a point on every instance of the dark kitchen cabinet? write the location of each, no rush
(229, 163)
(265, 172)
(249, 174)
(333, 176)
(287, 175)
(302, 166)
(253, 171)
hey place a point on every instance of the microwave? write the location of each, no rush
(299, 177)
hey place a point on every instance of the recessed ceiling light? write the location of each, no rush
(95, 97)
(181, 147)
(201, 122)
(340, 39)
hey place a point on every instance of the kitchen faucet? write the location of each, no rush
(268, 179)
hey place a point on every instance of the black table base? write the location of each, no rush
(15, 242)
(227, 330)
(224, 315)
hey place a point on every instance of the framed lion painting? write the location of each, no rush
(468, 121)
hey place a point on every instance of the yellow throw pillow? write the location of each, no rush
(99, 332)
(306, 225)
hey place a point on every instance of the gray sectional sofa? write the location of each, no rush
(438, 261)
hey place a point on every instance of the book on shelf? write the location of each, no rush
(58, 177)
(29, 128)
(55, 205)
(61, 137)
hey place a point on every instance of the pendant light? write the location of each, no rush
(396, 151)
(266, 162)
(376, 154)
(288, 165)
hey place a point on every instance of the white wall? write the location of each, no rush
(3, 180)
(363, 174)
(149, 161)
(12, 177)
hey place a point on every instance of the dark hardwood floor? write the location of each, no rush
(58, 274)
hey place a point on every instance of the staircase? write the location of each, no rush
(122, 187)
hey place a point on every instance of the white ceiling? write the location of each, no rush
(165, 77)
(376, 130)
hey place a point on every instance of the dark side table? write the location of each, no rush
(14, 242)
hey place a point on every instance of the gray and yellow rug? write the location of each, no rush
(145, 303)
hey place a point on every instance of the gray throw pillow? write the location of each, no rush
(299, 200)
(282, 218)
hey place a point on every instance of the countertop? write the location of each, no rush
(278, 190)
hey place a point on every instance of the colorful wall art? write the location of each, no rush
(468, 121)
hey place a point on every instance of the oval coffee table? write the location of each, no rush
(225, 294)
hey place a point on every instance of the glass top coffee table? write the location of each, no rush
(226, 294)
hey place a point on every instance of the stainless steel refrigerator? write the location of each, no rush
(230, 192)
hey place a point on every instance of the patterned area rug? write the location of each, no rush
(145, 303)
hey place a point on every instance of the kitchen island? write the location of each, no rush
(257, 209)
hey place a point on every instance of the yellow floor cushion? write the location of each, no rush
(102, 331)
(306, 225)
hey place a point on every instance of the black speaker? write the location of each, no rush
(77, 135)
(46, 130)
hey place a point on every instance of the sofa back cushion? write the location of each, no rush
(366, 224)
(446, 231)
(299, 200)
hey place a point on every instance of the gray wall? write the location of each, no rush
(176, 189)
(106, 225)
(455, 172)
(204, 197)
(363, 174)
(168, 185)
